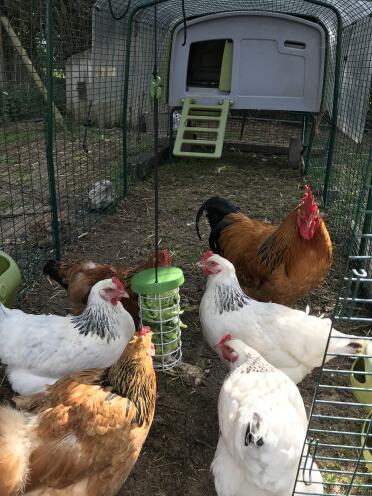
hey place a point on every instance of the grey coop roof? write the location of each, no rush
(356, 23)
(170, 11)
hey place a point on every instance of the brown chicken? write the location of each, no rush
(278, 263)
(83, 435)
(79, 277)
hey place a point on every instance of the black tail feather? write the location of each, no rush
(51, 269)
(217, 208)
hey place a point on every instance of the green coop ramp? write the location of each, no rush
(201, 130)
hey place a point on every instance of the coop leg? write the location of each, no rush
(294, 152)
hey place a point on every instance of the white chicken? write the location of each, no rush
(39, 349)
(289, 339)
(263, 424)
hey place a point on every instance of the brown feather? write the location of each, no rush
(88, 428)
(80, 277)
(272, 262)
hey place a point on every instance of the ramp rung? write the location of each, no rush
(203, 129)
(196, 106)
(197, 154)
(199, 142)
(203, 118)
(218, 131)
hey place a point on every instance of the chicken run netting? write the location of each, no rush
(77, 131)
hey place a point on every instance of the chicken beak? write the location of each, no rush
(124, 294)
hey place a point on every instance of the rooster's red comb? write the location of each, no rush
(165, 258)
(118, 283)
(308, 201)
(144, 330)
(207, 255)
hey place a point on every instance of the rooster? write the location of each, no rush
(289, 339)
(79, 277)
(263, 426)
(83, 435)
(273, 263)
(39, 349)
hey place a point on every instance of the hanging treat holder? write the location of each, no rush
(159, 308)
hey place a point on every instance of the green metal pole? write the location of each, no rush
(50, 133)
(125, 105)
(367, 225)
(126, 91)
(309, 146)
(336, 91)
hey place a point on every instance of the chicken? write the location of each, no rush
(39, 349)
(289, 339)
(82, 436)
(79, 277)
(263, 425)
(273, 263)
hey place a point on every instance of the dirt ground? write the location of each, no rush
(180, 447)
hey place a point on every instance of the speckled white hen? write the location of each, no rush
(289, 339)
(39, 349)
(263, 425)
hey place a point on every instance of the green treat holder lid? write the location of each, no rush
(168, 278)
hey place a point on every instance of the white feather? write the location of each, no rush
(289, 339)
(262, 397)
(39, 349)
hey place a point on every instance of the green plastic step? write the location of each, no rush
(214, 146)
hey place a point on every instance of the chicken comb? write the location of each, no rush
(118, 283)
(224, 338)
(308, 201)
(165, 258)
(144, 330)
(207, 255)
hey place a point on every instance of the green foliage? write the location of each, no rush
(20, 102)
(164, 321)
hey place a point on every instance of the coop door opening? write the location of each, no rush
(210, 64)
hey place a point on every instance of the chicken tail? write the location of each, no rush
(57, 271)
(15, 450)
(254, 431)
(345, 344)
(217, 208)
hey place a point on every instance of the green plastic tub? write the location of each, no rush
(10, 279)
(361, 378)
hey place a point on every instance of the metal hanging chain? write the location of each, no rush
(121, 16)
(184, 23)
(155, 92)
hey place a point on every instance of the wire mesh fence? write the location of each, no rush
(76, 119)
(340, 428)
(100, 127)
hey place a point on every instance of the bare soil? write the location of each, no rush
(180, 447)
